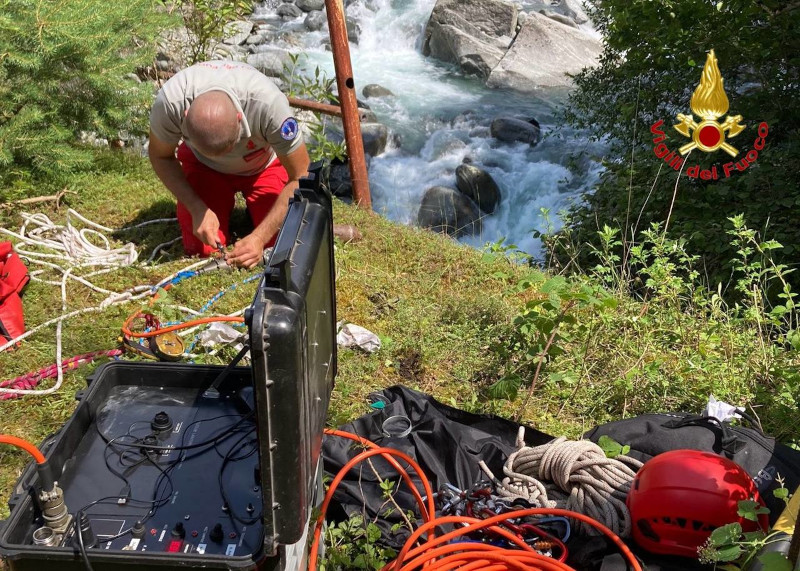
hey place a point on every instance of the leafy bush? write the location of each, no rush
(62, 71)
(652, 60)
(206, 21)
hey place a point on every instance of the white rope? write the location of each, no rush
(42, 242)
(572, 475)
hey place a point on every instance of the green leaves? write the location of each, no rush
(748, 509)
(612, 448)
(725, 535)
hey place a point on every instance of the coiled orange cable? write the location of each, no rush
(24, 445)
(436, 553)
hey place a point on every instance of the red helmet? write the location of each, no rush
(678, 498)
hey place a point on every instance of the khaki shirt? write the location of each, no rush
(268, 127)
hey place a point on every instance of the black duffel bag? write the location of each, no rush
(761, 456)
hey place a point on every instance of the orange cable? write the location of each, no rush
(127, 331)
(24, 445)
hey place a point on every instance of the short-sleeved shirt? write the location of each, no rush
(268, 128)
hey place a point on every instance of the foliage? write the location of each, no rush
(207, 22)
(351, 544)
(317, 88)
(734, 549)
(652, 60)
(62, 71)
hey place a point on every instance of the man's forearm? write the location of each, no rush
(169, 170)
(273, 220)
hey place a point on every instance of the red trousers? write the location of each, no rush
(218, 190)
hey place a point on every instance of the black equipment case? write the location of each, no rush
(172, 475)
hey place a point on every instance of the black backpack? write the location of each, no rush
(761, 456)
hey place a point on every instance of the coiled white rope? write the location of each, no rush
(573, 475)
(42, 242)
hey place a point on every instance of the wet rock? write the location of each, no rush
(471, 33)
(256, 39)
(374, 136)
(479, 185)
(316, 20)
(353, 30)
(544, 54)
(375, 90)
(288, 11)
(269, 61)
(339, 181)
(237, 32)
(447, 211)
(310, 5)
(566, 20)
(514, 130)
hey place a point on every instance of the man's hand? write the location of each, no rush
(205, 226)
(247, 252)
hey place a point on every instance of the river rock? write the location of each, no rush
(572, 9)
(479, 185)
(566, 20)
(374, 136)
(257, 39)
(339, 181)
(310, 5)
(316, 20)
(471, 33)
(447, 211)
(375, 90)
(514, 130)
(353, 30)
(288, 11)
(237, 32)
(269, 61)
(542, 55)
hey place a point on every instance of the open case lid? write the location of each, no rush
(292, 327)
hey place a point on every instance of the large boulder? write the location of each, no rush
(479, 185)
(571, 9)
(269, 61)
(288, 11)
(316, 20)
(447, 211)
(471, 33)
(374, 136)
(375, 90)
(310, 5)
(543, 54)
(237, 32)
(561, 18)
(514, 130)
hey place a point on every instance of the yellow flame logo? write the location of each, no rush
(709, 102)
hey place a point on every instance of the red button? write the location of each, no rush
(174, 546)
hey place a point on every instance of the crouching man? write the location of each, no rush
(234, 132)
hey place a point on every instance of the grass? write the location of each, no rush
(446, 316)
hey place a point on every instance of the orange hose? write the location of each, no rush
(464, 556)
(24, 445)
(343, 472)
(127, 331)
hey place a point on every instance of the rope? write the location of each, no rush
(572, 475)
(30, 380)
(68, 249)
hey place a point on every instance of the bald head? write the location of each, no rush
(212, 123)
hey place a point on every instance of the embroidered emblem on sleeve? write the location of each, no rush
(289, 129)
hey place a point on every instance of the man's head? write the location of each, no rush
(213, 123)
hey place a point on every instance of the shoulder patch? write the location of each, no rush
(289, 129)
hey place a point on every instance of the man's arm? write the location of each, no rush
(205, 224)
(247, 252)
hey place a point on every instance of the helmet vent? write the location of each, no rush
(647, 530)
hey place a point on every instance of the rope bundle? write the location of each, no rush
(572, 475)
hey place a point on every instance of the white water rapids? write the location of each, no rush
(443, 117)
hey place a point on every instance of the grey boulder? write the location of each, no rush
(544, 54)
(269, 61)
(447, 211)
(287, 11)
(514, 130)
(375, 90)
(374, 136)
(237, 32)
(310, 5)
(316, 20)
(478, 185)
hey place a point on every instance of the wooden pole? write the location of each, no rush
(347, 100)
(334, 110)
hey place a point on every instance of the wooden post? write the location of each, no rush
(347, 100)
